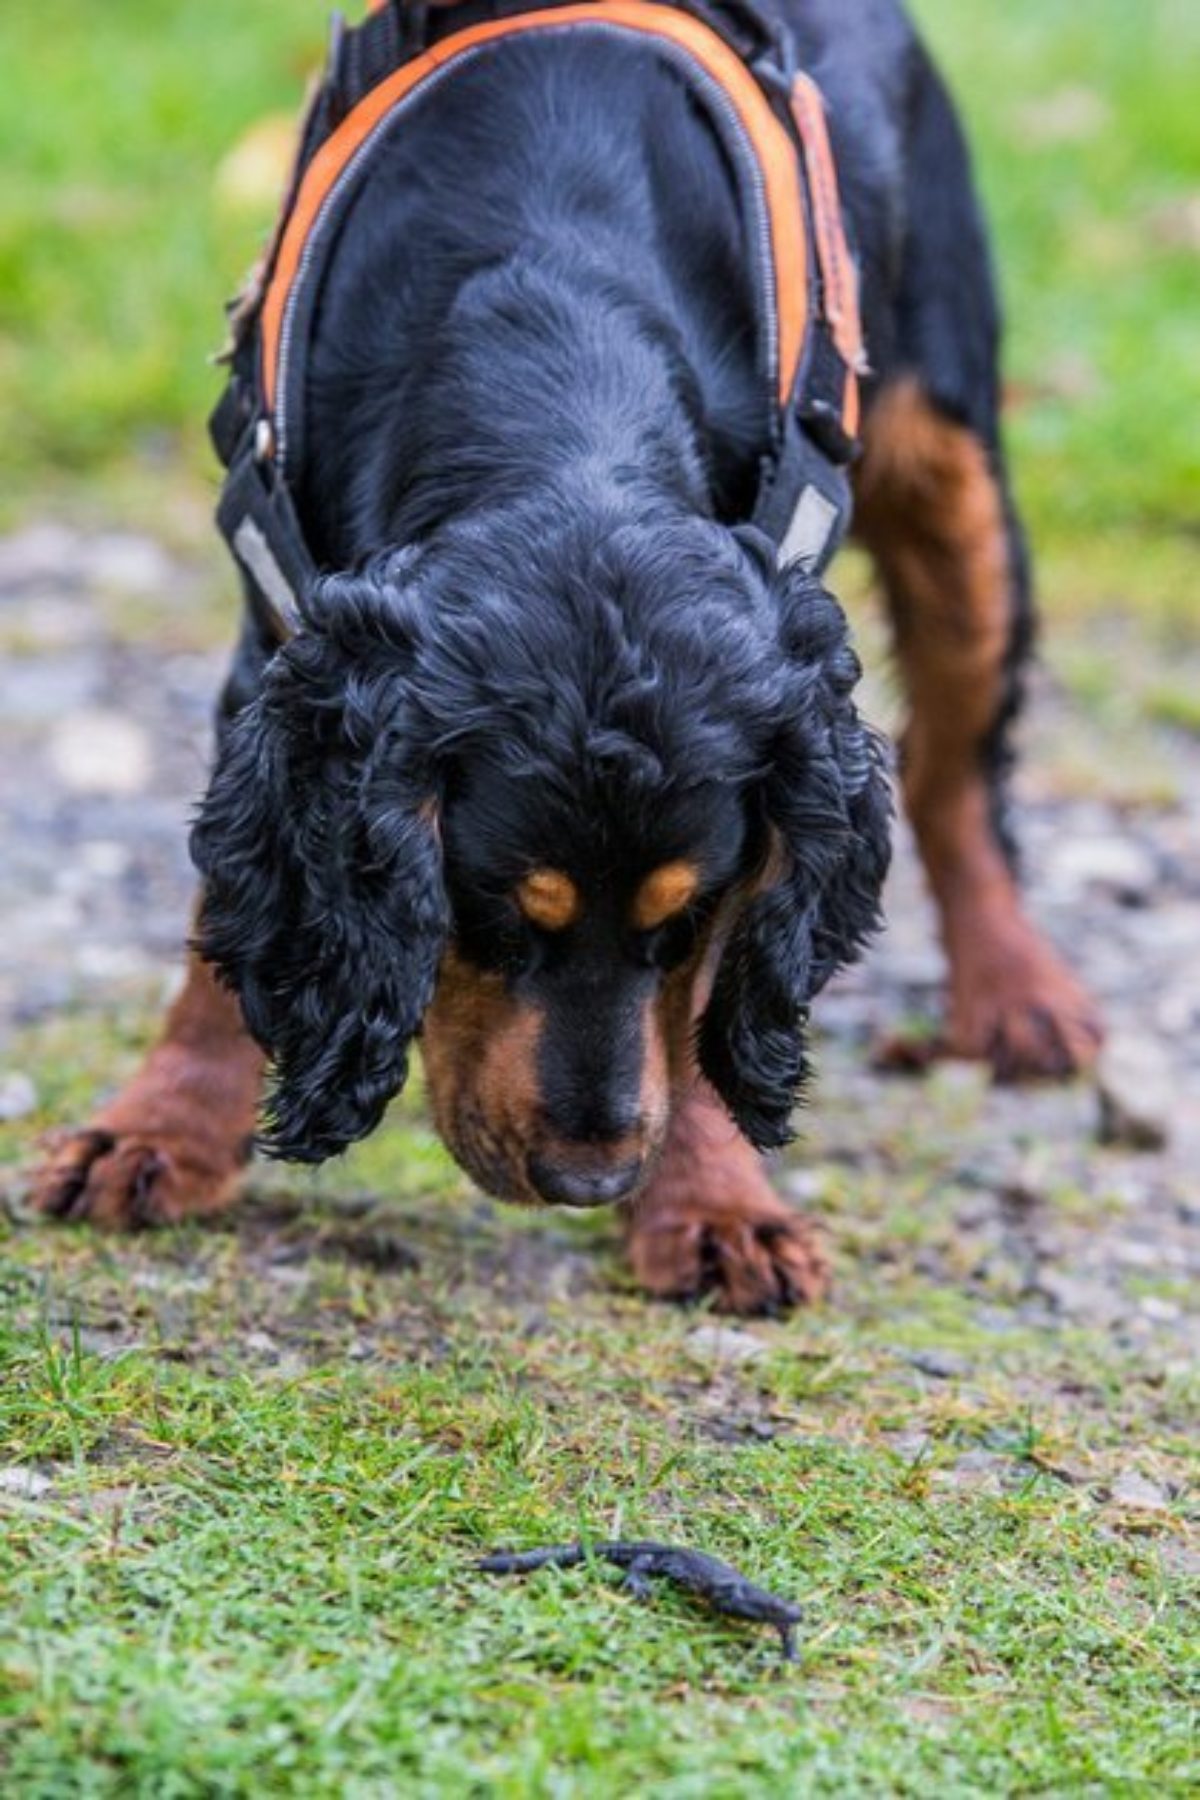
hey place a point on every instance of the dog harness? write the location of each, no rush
(769, 117)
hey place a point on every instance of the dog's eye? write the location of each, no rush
(667, 945)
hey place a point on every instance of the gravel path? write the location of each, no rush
(103, 742)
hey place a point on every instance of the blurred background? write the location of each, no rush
(241, 1466)
(141, 147)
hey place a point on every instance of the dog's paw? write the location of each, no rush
(1026, 1015)
(752, 1256)
(124, 1180)
(1017, 1007)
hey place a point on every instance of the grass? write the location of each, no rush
(270, 1452)
(124, 225)
(264, 1455)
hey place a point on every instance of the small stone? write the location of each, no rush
(1134, 1490)
(103, 859)
(910, 1446)
(1135, 1088)
(1160, 1311)
(804, 1184)
(18, 1096)
(260, 1343)
(1136, 1253)
(1181, 1559)
(962, 1081)
(979, 1471)
(1105, 864)
(111, 963)
(99, 752)
(41, 689)
(724, 1343)
(943, 1365)
(128, 564)
(1080, 1298)
(1178, 1011)
(24, 1482)
(44, 553)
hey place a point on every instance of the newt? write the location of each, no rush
(725, 1588)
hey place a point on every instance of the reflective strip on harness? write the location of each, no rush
(773, 149)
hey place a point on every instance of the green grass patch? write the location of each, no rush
(262, 1458)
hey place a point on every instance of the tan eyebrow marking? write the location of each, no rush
(664, 893)
(549, 898)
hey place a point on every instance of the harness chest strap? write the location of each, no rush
(804, 499)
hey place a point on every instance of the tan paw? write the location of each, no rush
(754, 1256)
(1027, 1015)
(1014, 1005)
(123, 1180)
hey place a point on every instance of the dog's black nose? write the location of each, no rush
(583, 1187)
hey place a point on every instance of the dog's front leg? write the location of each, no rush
(173, 1142)
(710, 1222)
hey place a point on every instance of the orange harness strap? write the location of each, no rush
(772, 145)
(806, 278)
(839, 278)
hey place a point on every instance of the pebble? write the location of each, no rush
(1134, 1490)
(102, 858)
(909, 1445)
(1178, 1012)
(128, 563)
(1107, 864)
(99, 752)
(115, 963)
(1135, 1089)
(1080, 1298)
(24, 1482)
(44, 552)
(724, 1343)
(34, 691)
(804, 1184)
(18, 1096)
(979, 1470)
(943, 1365)
(1162, 1312)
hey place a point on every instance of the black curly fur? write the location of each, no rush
(828, 798)
(323, 902)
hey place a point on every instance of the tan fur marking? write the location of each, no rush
(664, 893)
(172, 1144)
(931, 511)
(550, 899)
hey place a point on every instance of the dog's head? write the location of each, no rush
(548, 806)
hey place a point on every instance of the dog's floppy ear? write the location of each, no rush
(323, 902)
(828, 800)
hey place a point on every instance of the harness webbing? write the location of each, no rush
(768, 137)
(772, 120)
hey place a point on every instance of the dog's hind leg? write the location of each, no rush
(173, 1142)
(935, 511)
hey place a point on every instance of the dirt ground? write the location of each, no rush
(105, 694)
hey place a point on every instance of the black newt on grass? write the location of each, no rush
(723, 1586)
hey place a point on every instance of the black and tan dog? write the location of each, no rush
(560, 771)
